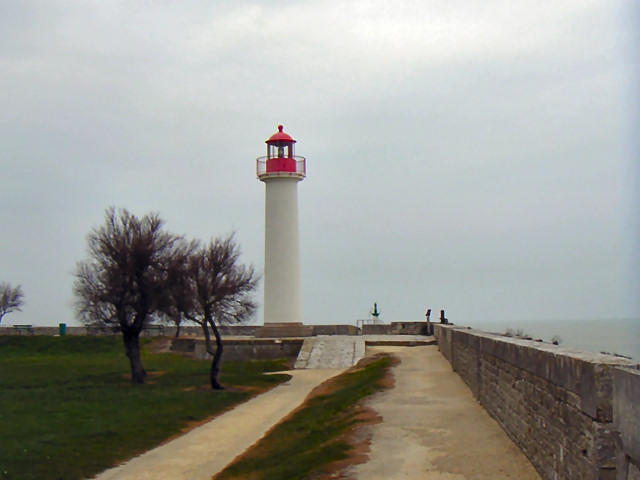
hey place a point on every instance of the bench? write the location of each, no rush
(149, 329)
(19, 329)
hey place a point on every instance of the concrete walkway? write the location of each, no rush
(207, 449)
(433, 428)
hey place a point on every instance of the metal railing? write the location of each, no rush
(266, 167)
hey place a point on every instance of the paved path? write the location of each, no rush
(207, 449)
(433, 428)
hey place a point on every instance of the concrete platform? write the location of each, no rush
(342, 351)
(321, 351)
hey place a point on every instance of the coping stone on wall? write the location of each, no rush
(587, 374)
(442, 333)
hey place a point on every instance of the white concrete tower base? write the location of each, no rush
(282, 298)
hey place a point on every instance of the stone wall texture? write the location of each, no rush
(395, 328)
(169, 330)
(334, 330)
(567, 410)
(241, 349)
(185, 330)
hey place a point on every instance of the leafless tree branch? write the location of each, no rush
(131, 263)
(215, 289)
(11, 299)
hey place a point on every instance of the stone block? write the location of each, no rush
(376, 329)
(334, 330)
(183, 345)
(283, 330)
(626, 409)
(242, 349)
(408, 328)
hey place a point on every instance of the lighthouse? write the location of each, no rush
(281, 170)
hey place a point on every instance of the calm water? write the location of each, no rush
(612, 336)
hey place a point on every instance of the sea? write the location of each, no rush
(618, 337)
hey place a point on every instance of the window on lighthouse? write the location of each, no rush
(282, 151)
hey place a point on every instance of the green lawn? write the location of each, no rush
(68, 409)
(313, 438)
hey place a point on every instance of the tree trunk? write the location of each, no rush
(177, 329)
(131, 338)
(217, 358)
(217, 354)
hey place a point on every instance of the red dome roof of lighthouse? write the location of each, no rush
(280, 136)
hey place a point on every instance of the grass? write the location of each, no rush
(68, 409)
(314, 437)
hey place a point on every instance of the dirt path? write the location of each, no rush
(433, 428)
(207, 449)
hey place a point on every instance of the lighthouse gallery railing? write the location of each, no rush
(294, 166)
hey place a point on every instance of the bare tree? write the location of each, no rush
(180, 293)
(132, 261)
(11, 299)
(216, 289)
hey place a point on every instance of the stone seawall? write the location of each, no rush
(574, 414)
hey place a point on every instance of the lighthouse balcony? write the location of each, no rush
(293, 166)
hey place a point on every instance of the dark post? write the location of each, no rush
(442, 318)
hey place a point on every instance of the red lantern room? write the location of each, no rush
(280, 160)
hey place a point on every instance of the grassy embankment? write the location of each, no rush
(68, 409)
(315, 437)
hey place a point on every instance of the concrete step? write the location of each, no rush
(330, 351)
(305, 351)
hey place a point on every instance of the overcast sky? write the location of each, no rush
(479, 157)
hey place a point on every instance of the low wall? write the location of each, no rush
(334, 330)
(9, 330)
(567, 410)
(186, 330)
(396, 328)
(241, 349)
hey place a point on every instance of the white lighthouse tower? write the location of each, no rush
(281, 170)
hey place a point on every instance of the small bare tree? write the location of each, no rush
(11, 299)
(132, 261)
(216, 289)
